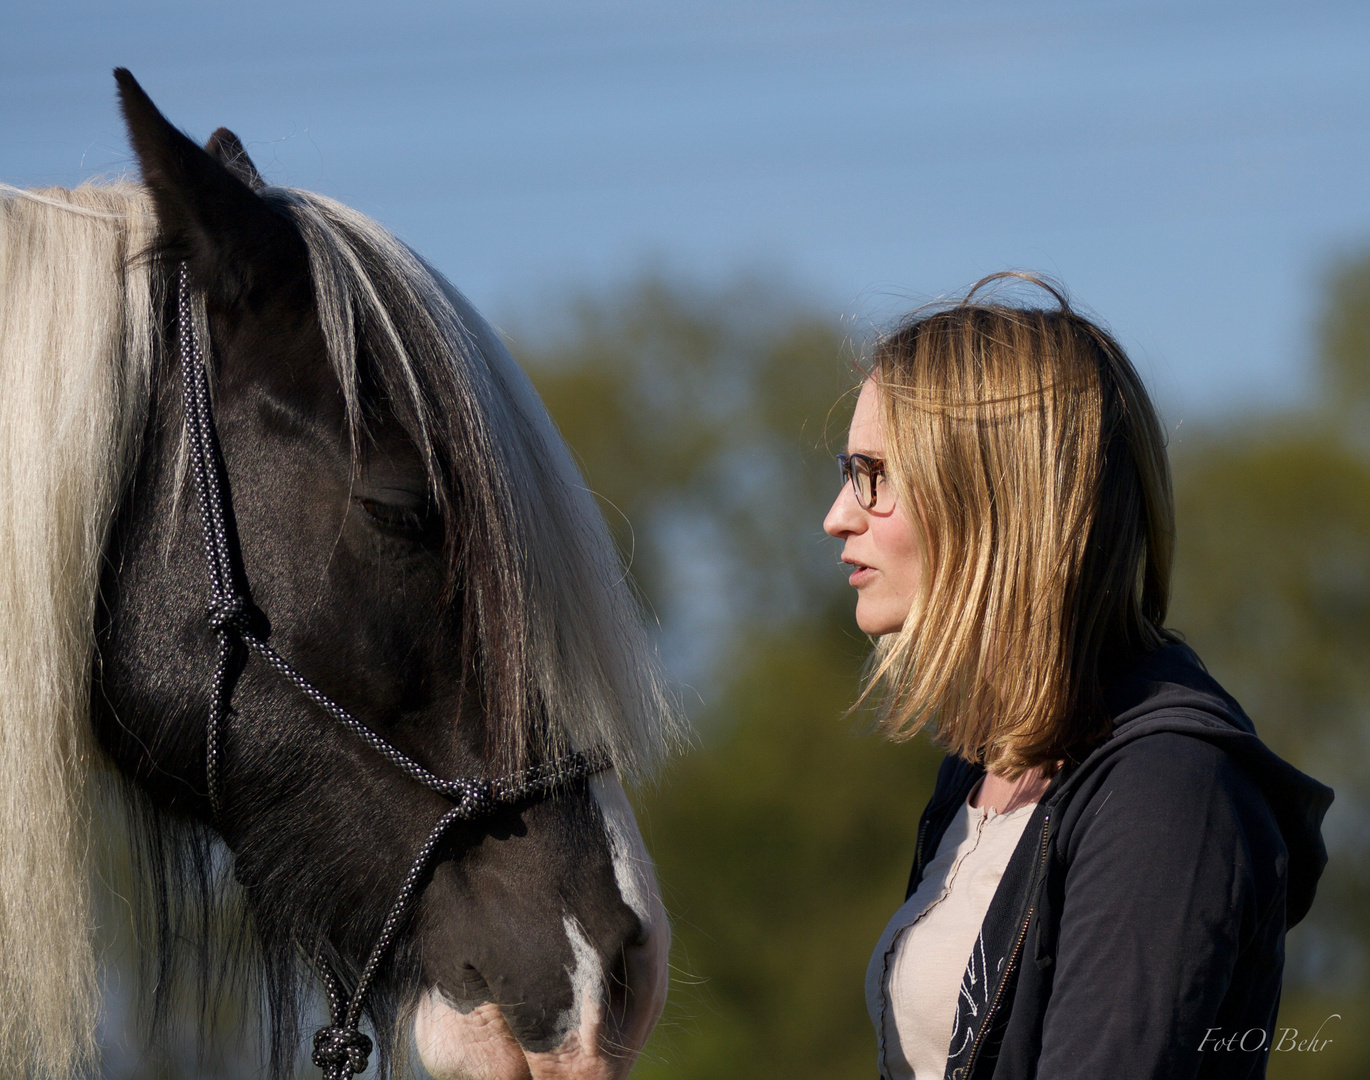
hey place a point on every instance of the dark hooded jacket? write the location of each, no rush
(1140, 921)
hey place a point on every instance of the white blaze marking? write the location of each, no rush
(587, 977)
(632, 866)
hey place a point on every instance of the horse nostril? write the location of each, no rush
(464, 991)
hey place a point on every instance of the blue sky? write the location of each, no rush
(1188, 169)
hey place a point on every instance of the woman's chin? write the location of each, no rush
(878, 626)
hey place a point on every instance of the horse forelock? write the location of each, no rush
(566, 658)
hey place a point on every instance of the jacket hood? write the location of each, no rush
(1170, 690)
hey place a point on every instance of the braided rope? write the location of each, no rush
(227, 610)
(340, 1049)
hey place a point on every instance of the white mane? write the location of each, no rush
(76, 355)
(75, 358)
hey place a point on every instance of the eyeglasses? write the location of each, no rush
(863, 471)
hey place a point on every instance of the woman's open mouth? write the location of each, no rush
(860, 574)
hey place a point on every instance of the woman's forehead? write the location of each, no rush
(867, 434)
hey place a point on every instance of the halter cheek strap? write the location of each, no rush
(340, 1049)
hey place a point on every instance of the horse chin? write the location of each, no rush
(478, 1045)
(472, 1045)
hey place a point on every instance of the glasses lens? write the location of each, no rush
(864, 478)
(858, 469)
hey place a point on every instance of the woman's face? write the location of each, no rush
(881, 545)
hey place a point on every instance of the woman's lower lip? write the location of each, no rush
(860, 576)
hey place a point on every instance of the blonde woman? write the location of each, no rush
(1109, 861)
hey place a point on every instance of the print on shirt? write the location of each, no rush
(973, 998)
(971, 1005)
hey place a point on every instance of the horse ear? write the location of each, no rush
(227, 149)
(239, 248)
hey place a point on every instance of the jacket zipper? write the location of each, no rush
(1008, 968)
(918, 851)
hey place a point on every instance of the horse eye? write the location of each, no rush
(408, 519)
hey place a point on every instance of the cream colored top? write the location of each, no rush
(915, 974)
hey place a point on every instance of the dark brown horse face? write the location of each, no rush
(539, 943)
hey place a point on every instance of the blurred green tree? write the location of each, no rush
(1272, 588)
(700, 418)
(1344, 347)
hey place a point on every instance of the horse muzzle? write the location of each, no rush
(605, 966)
(614, 1011)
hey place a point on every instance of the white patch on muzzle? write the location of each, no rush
(475, 1045)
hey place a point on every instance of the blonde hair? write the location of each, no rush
(1035, 460)
(76, 332)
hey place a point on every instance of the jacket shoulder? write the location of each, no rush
(1170, 792)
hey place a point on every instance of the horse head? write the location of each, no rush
(412, 535)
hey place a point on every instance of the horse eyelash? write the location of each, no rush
(396, 517)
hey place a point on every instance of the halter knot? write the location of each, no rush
(229, 611)
(478, 798)
(341, 1048)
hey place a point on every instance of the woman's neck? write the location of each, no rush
(1003, 796)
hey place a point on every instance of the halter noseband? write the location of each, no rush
(340, 1049)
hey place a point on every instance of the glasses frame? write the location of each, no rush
(873, 467)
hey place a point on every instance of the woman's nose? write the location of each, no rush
(845, 516)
